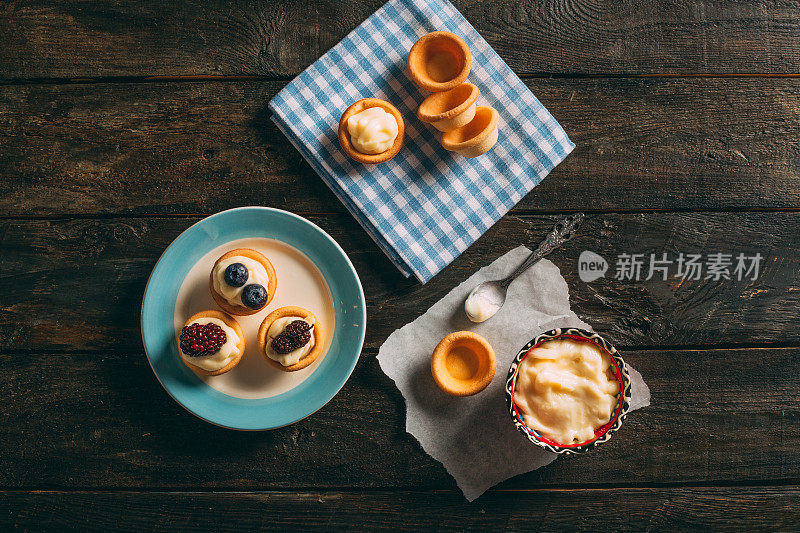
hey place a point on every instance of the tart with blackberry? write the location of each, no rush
(242, 282)
(290, 338)
(211, 343)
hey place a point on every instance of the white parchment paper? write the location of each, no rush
(474, 437)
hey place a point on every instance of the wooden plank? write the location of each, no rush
(168, 148)
(722, 509)
(101, 420)
(77, 284)
(48, 38)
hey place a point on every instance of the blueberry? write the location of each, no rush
(236, 275)
(254, 296)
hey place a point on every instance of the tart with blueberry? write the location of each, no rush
(242, 282)
(211, 343)
(290, 338)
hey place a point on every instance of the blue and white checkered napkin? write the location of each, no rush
(426, 205)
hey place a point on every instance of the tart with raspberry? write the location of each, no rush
(242, 282)
(290, 338)
(211, 343)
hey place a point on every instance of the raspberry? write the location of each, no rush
(200, 340)
(293, 336)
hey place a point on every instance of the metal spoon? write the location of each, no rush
(488, 297)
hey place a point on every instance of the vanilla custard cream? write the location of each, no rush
(294, 356)
(372, 131)
(480, 306)
(224, 355)
(565, 389)
(233, 295)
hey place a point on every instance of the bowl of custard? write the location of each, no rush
(568, 390)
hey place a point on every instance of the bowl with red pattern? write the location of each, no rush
(618, 369)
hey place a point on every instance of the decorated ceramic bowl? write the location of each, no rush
(602, 433)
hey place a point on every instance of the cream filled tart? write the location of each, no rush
(371, 131)
(242, 282)
(211, 343)
(290, 338)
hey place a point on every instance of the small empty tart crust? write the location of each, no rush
(439, 61)
(291, 311)
(345, 139)
(463, 364)
(218, 272)
(450, 109)
(210, 362)
(475, 138)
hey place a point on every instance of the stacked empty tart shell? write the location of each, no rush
(440, 62)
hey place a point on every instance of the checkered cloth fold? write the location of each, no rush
(426, 205)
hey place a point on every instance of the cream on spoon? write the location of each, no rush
(486, 299)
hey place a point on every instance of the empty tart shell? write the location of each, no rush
(463, 364)
(290, 311)
(476, 137)
(241, 310)
(231, 323)
(439, 61)
(451, 109)
(344, 134)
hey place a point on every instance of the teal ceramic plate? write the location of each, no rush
(158, 311)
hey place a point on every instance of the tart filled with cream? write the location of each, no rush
(371, 131)
(211, 343)
(242, 282)
(290, 338)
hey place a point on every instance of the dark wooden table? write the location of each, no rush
(122, 123)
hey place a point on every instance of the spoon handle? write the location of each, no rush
(561, 233)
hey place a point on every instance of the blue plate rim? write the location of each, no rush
(336, 246)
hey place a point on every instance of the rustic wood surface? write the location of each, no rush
(92, 38)
(100, 421)
(549, 510)
(122, 123)
(200, 147)
(94, 272)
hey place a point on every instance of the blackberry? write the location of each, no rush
(254, 296)
(199, 340)
(293, 336)
(236, 275)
